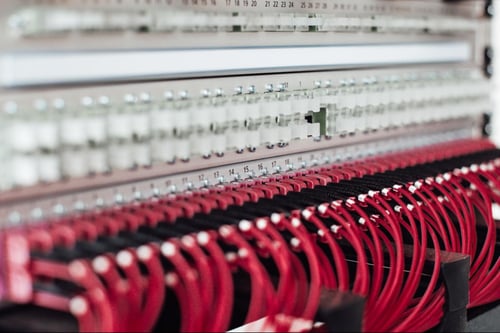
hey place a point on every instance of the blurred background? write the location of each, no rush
(496, 77)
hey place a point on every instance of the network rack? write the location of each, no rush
(247, 165)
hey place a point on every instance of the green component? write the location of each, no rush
(318, 117)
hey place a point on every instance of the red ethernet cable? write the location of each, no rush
(428, 294)
(127, 261)
(203, 272)
(248, 228)
(189, 245)
(78, 306)
(224, 289)
(391, 225)
(116, 288)
(155, 290)
(281, 247)
(40, 239)
(183, 281)
(457, 206)
(351, 234)
(304, 243)
(418, 257)
(81, 273)
(486, 255)
(298, 292)
(377, 252)
(336, 251)
(262, 295)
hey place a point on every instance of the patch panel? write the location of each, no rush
(39, 21)
(54, 142)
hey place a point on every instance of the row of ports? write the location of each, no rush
(25, 169)
(380, 105)
(42, 20)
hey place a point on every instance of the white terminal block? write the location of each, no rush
(180, 20)
(351, 100)
(343, 101)
(162, 121)
(362, 99)
(285, 107)
(237, 20)
(373, 121)
(22, 136)
(267, 21)
(299, 131)
(98, 161)
(74, 163)
(72, 132)
(201, 145)
(314, 104)
(388, 96)
(436, 92)
(409, 95)
(221, 20)
(413, 94)
(252, 110)
(163, 21)
(360, 121)
(329, 24)
(253, 23)
(96, 129)
(47, 135)
(218, 114)
(300, 105)
(141, 154)
(163, 150)
(140, 124)
(313, 130)
(269, 135)
(354, 22)
(398, 96)
(367, 22)
(285, 20)
(351, 121)
(285, 133)
(119, 126)
(237, 139)
(24, 170)
(182, 119)
(236, 112)
(378, 97)
(219, 143)
(198, 19)
(201, 116)
(182, 149)
(269, 109)
(117, 20)
(314, 21)
(253, 138)
(49, 168)
(370, 98)
(342, 22)
(144, 19)
(342, 122)
(120, 157)
(90, 20)
(412, 115)
(301, 20)
(59, 20)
